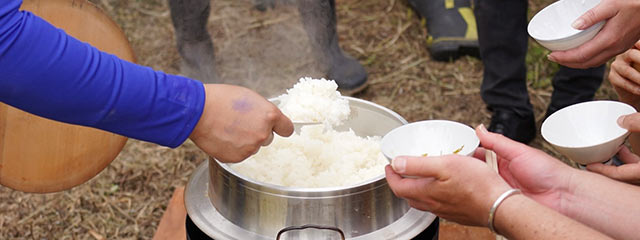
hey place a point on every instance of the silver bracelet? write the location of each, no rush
(497, 203)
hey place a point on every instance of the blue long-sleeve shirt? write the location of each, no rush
(46, 72)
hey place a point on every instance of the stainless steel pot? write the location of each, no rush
(364, 210)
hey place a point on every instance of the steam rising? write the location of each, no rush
(269, 51)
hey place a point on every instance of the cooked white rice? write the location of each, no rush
(317, 157)
(315, 100)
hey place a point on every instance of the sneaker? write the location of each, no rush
(514, 126)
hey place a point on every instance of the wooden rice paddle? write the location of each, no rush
(40, 155)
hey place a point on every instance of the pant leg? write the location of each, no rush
(320, 22)
(502, 35)
(189, 19)
(571, 86)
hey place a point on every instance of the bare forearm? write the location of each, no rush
(606, 205)
(519, 217)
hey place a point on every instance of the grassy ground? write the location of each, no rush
(266, 51)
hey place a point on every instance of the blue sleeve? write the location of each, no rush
(46, 72)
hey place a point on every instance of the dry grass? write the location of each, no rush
(265, 51)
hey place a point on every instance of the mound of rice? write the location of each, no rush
(317, 157)
(315, 100)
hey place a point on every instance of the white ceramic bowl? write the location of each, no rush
(587, 132)
(431, 137)
(551, 27)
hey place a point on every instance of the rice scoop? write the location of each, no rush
(317, 156)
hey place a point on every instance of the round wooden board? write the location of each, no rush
(41, 155)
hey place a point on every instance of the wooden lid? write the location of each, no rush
(41, 155)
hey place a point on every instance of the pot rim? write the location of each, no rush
(375, 182)
(274, 189)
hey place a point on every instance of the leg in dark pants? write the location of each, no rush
(189, 19)
(571, 86)
(502, 34)
(319, 20)
(503, 46)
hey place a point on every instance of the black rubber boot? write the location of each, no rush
(319, 20)
(189, 19)
(451, 26)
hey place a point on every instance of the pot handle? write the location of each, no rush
(294, 228)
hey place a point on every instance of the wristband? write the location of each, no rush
(497, 203)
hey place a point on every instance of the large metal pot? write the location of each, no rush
(367, 210)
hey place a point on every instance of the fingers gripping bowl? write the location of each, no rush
(551, 27)
(587, 132)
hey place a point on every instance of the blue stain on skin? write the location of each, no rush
(242, 105)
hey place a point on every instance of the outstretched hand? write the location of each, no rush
(621, 30)
(236, 122)
(462, 189)
(457, 188)
(629, 172)
(624, 76)
(539, 176)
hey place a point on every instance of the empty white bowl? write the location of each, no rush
(587, 132)
(430, 137)
(551, 27)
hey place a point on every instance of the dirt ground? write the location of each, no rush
(268, 52)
